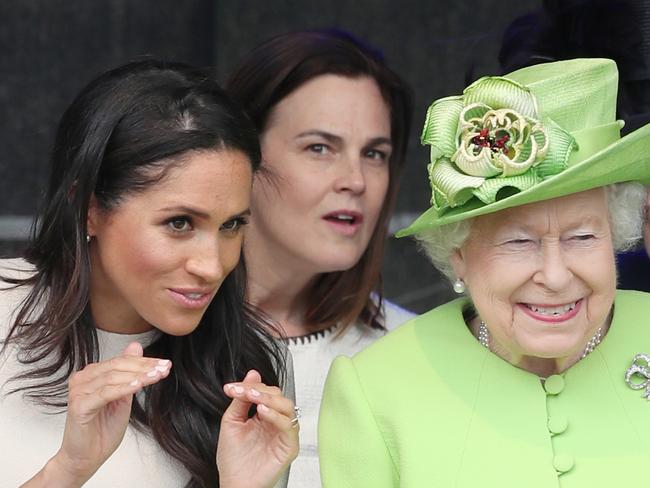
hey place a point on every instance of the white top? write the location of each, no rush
(30, 436)
(312, 356)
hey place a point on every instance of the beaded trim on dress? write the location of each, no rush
(312, 336)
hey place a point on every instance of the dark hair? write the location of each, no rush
(567, 29)
(274, 70)
(121, 135)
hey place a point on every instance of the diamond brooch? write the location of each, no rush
(637, 376)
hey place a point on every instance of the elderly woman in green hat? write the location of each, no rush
(539, 377)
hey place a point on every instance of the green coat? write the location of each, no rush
(428, 406)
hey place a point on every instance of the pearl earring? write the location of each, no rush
(459, 286)
(87, 237)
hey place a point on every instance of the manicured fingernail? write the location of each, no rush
(263, 407)
(162, 369)
(134, 383)
(238, 389)
(153, 373)
(164, 362)
(255, 393)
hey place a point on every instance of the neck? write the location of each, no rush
(278, 287)
(542, 367)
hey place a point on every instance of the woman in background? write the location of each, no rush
(132, 286)
(333, 122)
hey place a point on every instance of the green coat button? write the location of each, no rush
(554, 384)
(562, 463)
(557, 424)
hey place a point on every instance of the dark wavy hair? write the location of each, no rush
(120, 136)
(275, 69)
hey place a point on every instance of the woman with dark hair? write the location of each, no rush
(138, 246)
(334, 123)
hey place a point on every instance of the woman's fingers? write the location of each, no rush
(259, 393)
(271, 404)
(277, 402)
(237, 411)
(277, 419)
(252, 377)
(119, 363)
(269, 440)
(111, 387)
(131, 362)
(133, 349)
(84, 407)
(243, 394)
(101, 383)
(142, 374)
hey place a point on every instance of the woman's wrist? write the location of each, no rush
(62, 473)
(54, 473)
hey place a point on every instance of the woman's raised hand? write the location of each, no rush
(254, 452)
(99, 407)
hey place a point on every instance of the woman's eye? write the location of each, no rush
(376, 154)
(519, 243)
(234, 225)
(179, 224)
(318, 148)
(583, 237)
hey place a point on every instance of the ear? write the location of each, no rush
(458, 264)
(92, 220)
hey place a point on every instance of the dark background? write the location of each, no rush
(52, 48)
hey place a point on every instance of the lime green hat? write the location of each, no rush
(541, 132)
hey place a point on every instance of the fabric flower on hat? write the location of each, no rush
(491, 142)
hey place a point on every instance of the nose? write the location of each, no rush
(553, 272)
(351, 177)
(204, 261)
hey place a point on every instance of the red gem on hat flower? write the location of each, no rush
(486, 139)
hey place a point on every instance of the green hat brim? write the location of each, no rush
(628, 159)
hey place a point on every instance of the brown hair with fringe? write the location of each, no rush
(274, 70)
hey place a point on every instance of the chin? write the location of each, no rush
(546, 354)
(333, 266)
(178, 327)
(338, 261)
(550, 349)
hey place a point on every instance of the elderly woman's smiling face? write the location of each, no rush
(541, 276)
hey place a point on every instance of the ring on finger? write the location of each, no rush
(297, 415)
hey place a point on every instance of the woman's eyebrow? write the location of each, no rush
(245, 213)
(377, 141)
(586, 220)
(334, 139)
(328, 136)
(184, 209)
